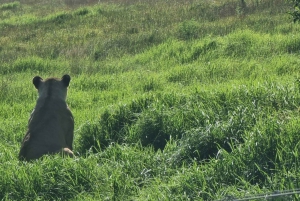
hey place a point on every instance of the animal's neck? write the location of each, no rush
(50, 101)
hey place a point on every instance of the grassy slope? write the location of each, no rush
(212, 85)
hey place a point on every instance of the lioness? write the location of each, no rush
(51, 124)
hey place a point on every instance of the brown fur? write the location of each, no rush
(51, 124)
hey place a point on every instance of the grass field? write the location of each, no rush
(172, 100)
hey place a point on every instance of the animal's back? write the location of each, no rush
(50, 127)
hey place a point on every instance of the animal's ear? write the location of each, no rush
(66, 80)
(36, 81)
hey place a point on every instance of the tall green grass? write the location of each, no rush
(176, 100)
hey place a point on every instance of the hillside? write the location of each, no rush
(173, 100)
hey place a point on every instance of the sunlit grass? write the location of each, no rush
(171, 100)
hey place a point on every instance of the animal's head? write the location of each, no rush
(52, 87)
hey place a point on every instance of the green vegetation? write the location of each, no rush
(173, 100)
(295, 13)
